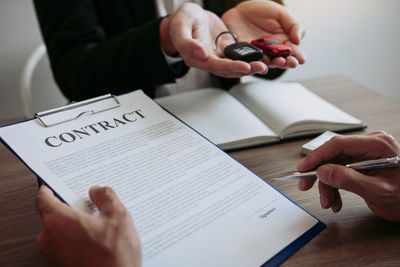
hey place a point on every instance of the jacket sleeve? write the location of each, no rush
(87, 63)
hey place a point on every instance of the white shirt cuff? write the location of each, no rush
(171, 60)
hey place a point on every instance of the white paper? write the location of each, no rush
(219, 117)
(290, 109)
(193, 205)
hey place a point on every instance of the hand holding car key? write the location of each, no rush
(253, 20)
(240, 50)
(254, 51)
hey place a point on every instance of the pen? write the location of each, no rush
(362, 165)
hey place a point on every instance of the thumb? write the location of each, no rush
(291, 27)
(198, 51)
(190, 48)
(296, 34)
(46, 202)
(185, 34)
(345, 178)
(106, 201)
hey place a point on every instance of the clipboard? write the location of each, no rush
(138, 100)
(41, 116)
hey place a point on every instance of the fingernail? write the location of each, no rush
(324, 173)
(46, 190)
(94, 187)
(300, 166)
(265, 71)
(301, 34)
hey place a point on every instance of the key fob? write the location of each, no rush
(243, 51)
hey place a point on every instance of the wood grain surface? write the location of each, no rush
(353, 237)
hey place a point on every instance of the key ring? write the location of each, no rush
(222, 33)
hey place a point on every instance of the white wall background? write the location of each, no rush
(19, 35)
(357, 38)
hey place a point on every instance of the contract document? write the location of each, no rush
(192, 204)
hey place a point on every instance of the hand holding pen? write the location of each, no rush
(359, 166)
(381, 191)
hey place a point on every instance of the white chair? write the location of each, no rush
(38, 90)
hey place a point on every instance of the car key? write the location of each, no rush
(243, 51)
(240, 50)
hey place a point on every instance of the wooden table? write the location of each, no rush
(353, 237)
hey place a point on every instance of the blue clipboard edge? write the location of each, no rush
(275, 260)
(295, 245)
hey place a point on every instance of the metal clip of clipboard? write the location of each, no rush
(41, 115)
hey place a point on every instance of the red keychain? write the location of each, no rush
(272, 47)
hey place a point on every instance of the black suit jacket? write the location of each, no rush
(108, 46)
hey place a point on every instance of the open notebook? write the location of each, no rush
(257, 113)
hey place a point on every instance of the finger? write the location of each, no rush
(214, 64)
(224, 40)
(295, 33)
(306, 184)
(258, 67)
(297, 53)
(49, 248)
(106, 201)
(46, 202)
(267, 61)
(41, 243)
(326, 195)
(193, 49)
(340, 177)
(291, 62)
(356, 145)
(279, 62)
(187, 47)
(388, 138)
(337, 202)
(226, 65)
(302, 32)
(230, 75)
(183, 31)
(377, 133)
(291, 26)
